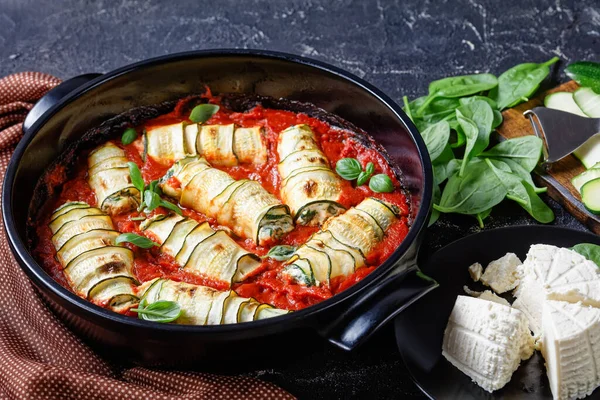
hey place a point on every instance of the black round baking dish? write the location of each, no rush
(85, 102)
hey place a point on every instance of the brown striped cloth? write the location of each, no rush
(39, 357)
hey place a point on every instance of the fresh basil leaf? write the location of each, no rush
(151, 199)
(476, 191)
(159, 311)
(136, 176)
(525, 150)
(370, 168)
(522, 193)
(170, 206)
(348, 168)
(381, 183)
(362, 178)
(589, 251)
(153, 186)
(129, 136)
(518, 83)
(586, 73)
(202, 112)
(436, 138)
(281, 253)
(133, 238)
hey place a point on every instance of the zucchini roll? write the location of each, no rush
(202, 305)
(221, 145)
(96, 268)
(244, 205)
(109, 178)
(343, 243)
(200, 249)
(308, 185)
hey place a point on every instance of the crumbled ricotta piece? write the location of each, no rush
(571, 348)
(470, 292)
(555, 273)
(475, 270)
(486, 341)
(486, 295)
(501, 274)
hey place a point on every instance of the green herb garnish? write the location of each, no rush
(281, 252)
(202, 113)
(129, 136)
(160, 311)
(150, 194)
(348, 168)
(381, 183)
(138, 240)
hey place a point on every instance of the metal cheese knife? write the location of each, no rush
(561, 132)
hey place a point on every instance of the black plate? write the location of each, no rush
(420, 329)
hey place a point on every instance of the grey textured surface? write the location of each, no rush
(397, 45)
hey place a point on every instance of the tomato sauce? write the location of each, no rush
(267, 284)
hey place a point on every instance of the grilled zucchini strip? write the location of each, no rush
(96, 268)
(308, 185)
(343, 243)
(109, 179)
(202, 305)
(221, 145)
(200, 249)
(244, 206)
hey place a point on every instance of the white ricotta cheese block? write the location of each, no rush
(571, 348)
(475, 270)
(486, 341)
(501, 274)
(555, 273)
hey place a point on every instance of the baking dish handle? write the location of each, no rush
(53, 96)
(379, 304)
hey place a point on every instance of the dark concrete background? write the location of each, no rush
(399, 46)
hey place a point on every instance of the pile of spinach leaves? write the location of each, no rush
(456, 119)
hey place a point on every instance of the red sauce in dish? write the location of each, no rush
(267, 284)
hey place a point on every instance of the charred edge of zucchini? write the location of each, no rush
(392, 207)
(372, 218)
(98, 216)
(86, 254)
(277, 232)
(305, 214)
(301, 171)
(122, 302)
(90, 294)
(149, 221)
(66, 243)
(315, 150)
(130, 193)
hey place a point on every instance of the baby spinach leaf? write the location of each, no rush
(406, 108)
(521, 192)
(470, 131)
(443, 171)
(479, 113)
(436, 138)
(482, 216)
(521, 172)
(476, 191)
(497, 119)
(518, 83)
(525, 151)
(586, 73)
(159, 311)
(589, 251)
(435, 214)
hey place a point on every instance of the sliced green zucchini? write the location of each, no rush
(124, 200)
(183, 170)
(590, 194)
(73, 214)
(85, 241)
(94, 266)
(195, 301)
(176, 239)
(216, 142)
(313, 158)
(116, 293)
(247, 312)
(104, 152)
(342, 261)
(303, 170)
(203, 188)
(300, 270)
(161, 228)
(265, 311)
(588, 101)
(150, 290)
(319, 261)
(84, 224)
(232, 307)
(295, 138)
(109, 163)
(563, 101)
(68, 207)
(197, 235)
(249, 146)
(215, 316)
(190, 135)
(585, 177)
(354, 230)
(313, 213)
(166, 143)
(329, 240)
(221, 204)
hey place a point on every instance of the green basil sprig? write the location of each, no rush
(160, 311)
(585, 73)
(381, 183)
(202, 112)
(149, 194)
(348, 168)
(133, 238)
(281, 253)
(129, 136)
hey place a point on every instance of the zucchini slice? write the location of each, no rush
(341, 260)
(68, 207)
(327, 238)
(109, 179)
(232, 307)
(190, 135)
(72, 214)
(319, 261)
(249, 146)
(176, 238)
(83, 242)
(161, 228)
(117, 293)
(82, 225)
(197, 235)
(585, 177)
(590, 194)
(183, 171)
(165, 144)
(308, 185)
(247, 311)
(215, 316)
(300, 269)
(265, 311)
(216, 142)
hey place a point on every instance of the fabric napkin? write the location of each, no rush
(39, 357)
